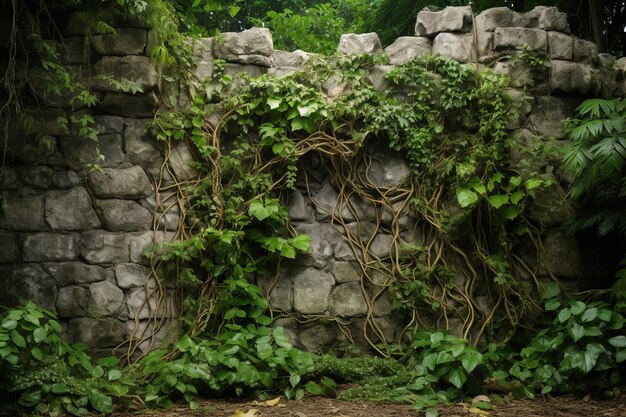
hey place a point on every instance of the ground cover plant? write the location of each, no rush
(449, 120)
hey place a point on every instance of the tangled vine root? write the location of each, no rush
(348, 164)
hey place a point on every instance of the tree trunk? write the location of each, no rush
(595, 20)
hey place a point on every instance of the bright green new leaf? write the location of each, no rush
(498, 200)
(466, 197)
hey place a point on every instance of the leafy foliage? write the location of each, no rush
(597, 161)
(581, 348)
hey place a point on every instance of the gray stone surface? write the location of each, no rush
(450, 19)
(66, 179)
(8, 178)
(70, 210)
(289, 59)
(109, 125)
(549, 113)
(457, 46)
(74, 50)
(573, 78)
(140, 148)
(253, 46)
(497, 17)
(100, 247)
(52, 121)
(326, 204)
(129, 183)
(44, 247)
(129, 105)
(297, 207)
(137, 69)
(377, 77)
(100, 332)
(323, 237)
(141, 308)
(123, 215)
(516, 38)
(131, 275)
(546, 18)
(76, 273)
(388, 167)
(348, 301)
(38, 177)
(202, 59)
(24, 211)
(73, 301)
(562, 256)
(279, 292)
(179, 159)
(106, 299)
(585, 51)
(10, 249)
(311, 291)
(406, 48)
(80, 152)
(358, 44)
(27, 282)
(346, 272)
(560, 46)
(125, 41)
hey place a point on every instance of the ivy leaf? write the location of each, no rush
(457, 377)
(274, 102)
(471, 359)
(576, 332)
(314, 388)
(288, 251)
(511, 212)
(466, 197)
(18, 339)
(100, 402)
(533, 183)
(37, 353)
(498, 200)
(294, 380)
(618, 341)
(301, 242)
(258, 210)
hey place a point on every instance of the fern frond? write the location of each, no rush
(607, 223)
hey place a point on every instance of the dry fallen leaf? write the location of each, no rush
(272, 403)
(253, 412)
(478, 411)
(479, 398)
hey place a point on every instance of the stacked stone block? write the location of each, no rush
(72, 237)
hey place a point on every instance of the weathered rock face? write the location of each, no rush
(73, 240)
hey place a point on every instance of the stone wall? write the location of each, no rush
(72, 239)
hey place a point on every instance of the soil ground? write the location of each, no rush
(567, 406)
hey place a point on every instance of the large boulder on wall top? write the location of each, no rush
(451, 19)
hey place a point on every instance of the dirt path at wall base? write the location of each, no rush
(567, 406)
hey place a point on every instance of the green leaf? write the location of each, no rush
(18, 339)
(457, 377)
(564, 315)
(498, 200)
(578, 307)
(301, 242)
(233, 10)
(618, 341)
(37, 353)
(533, 183)
(9, 324)
(314, 388)
(288, 251)
(552, 304)
(274, 102)
(576, 331)
(549, 290)
(294, 379)
(466, 197)
(511, 212)
(589, 315)
(40, 335)
(470, 360)
(114, 374)
(100, 402)
(59, 388)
